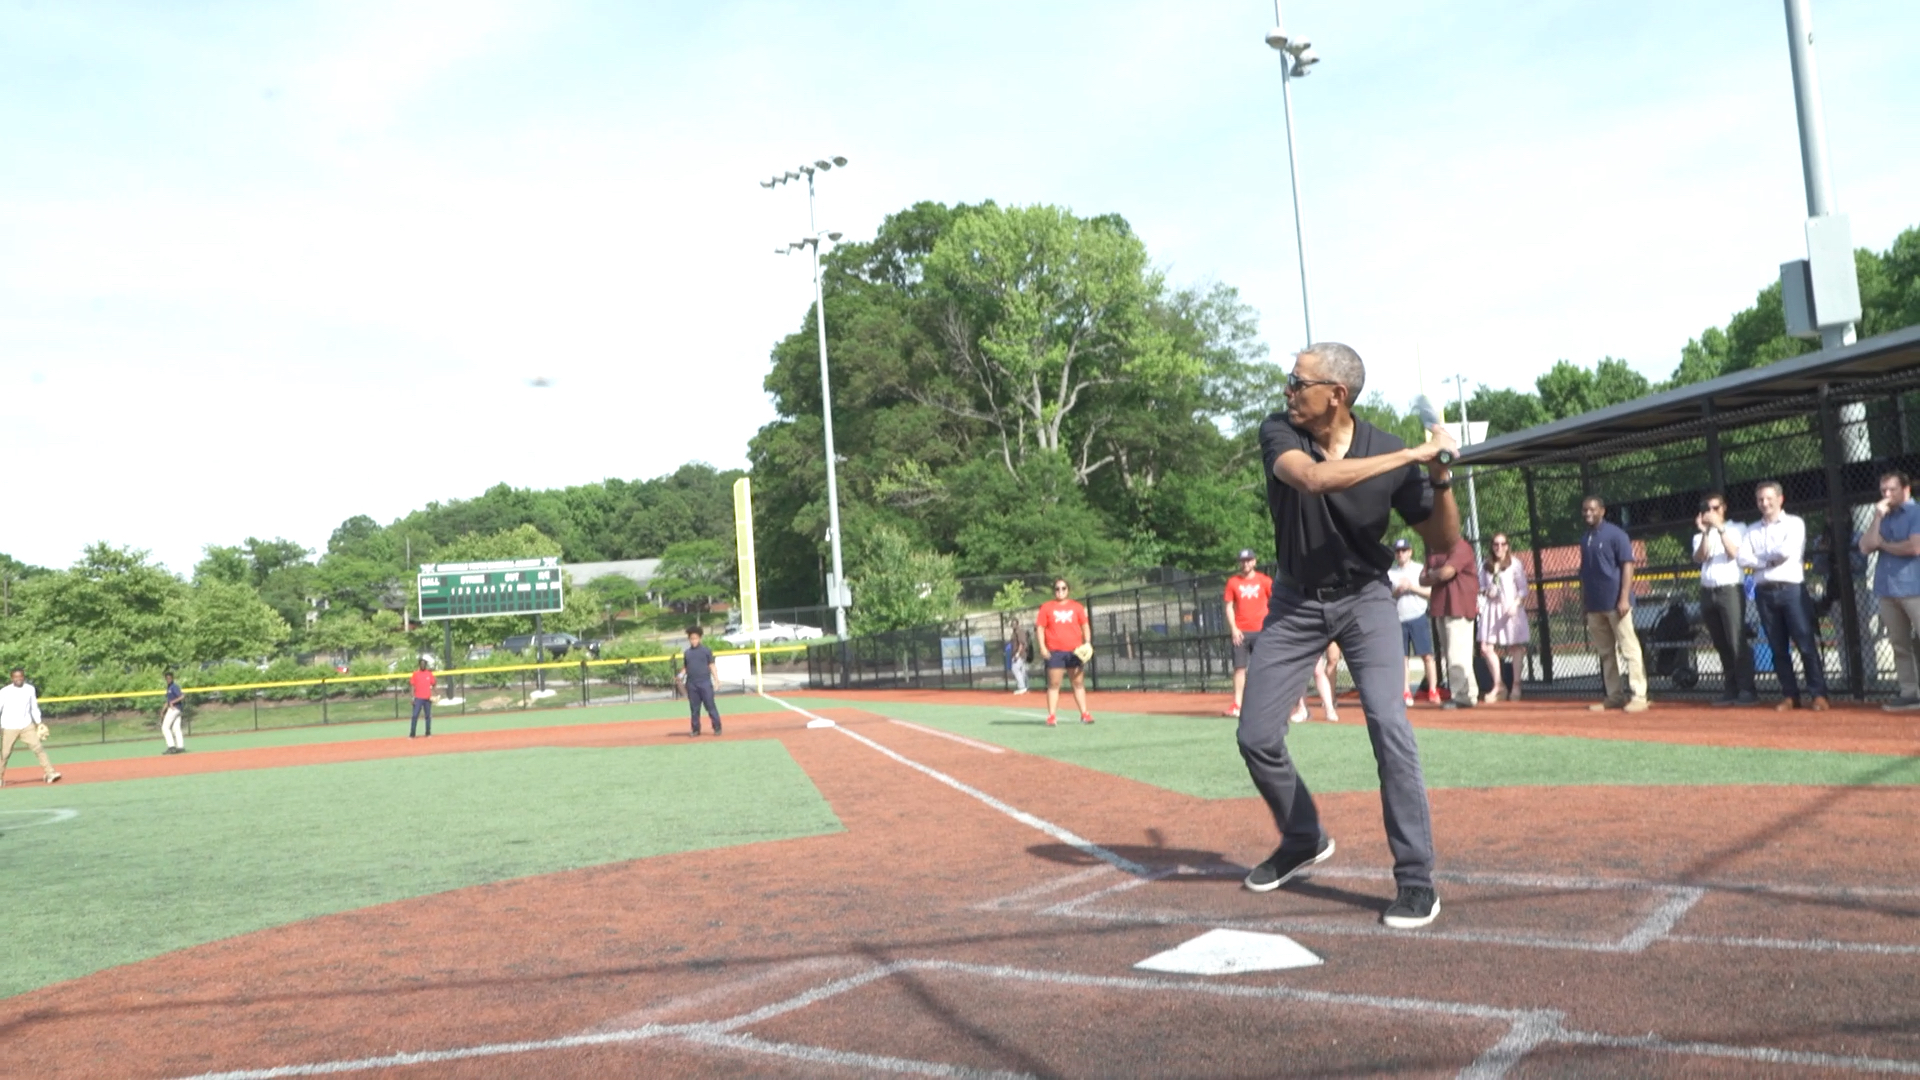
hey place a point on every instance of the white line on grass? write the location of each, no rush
(1017, 814)
(53, 817)
(962, 739)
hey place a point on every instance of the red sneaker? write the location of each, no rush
(1433, 697)
(1050, 721)
(1233, 710)
(1086, 718)
(1407, 697)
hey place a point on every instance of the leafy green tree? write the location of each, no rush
(897, 585)
(228, 621)
(696, 572)
(1014, 596)
(114, 605)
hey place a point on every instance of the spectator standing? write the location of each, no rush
(1503, 615)
(1017, 656)
(170, 717)
(1410, 602)
(699, 671)
(1723, 597)
(20, 720)
(1325, 671)
(1895, 534)
(423, 683)
(1455, 602)
(1246, 597)
(1606, 589)
(1067, 634)
(1776, 549)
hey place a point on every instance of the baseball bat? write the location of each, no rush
(1430, 417)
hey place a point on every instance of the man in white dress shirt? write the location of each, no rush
(1775, 548)
(20, 721)
(1723, 599)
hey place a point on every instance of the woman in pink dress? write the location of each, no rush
(1503, 615)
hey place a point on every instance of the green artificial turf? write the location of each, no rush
(1198, 756)
(144, 867)
(445, 722)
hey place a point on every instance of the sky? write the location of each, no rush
(264, 267)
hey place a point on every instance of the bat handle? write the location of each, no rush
(1444, 457)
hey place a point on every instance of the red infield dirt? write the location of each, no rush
(1584, 931)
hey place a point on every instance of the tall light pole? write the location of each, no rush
(1466, 440)
(838, 595)
(1296, 57)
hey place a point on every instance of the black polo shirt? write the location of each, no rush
(1327, 540)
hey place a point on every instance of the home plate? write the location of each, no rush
(820, 722)
(1231, 952)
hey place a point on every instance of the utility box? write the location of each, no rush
(1796, 296)
(1831, 275)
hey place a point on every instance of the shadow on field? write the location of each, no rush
(1202, 868)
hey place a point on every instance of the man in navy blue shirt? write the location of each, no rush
(170, 718)
(698, 671)
(1606, 584)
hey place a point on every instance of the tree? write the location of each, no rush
(896, 585)
(228, 621)
(696, 572)
(115, 606)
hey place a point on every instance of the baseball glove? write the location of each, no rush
(41, 730)
(1084, 652)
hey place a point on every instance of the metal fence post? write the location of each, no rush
(583, 680)
(1539, 586)
(1840, 547)
(1716, 462)
(323, 701)
(1093, 666)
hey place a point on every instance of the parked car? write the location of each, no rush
(771, 633)
(556, 645)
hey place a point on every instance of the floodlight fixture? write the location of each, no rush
(823, 165)
(838, 160)
(834, 236)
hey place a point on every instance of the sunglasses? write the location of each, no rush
(1295, 383)
(1059, 588)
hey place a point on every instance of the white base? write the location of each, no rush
(1231, 952)
(820, 722)
(449, 701)
(536, 695)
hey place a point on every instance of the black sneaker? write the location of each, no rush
(1283, 865)
(716, 729)
(1725, 702)
(696, 733)
(1414, 908)
(1457, 703)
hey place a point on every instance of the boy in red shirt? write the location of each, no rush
(1064, 632)
(1247, 594)
(423, 682)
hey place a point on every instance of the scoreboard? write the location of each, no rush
(472, 590)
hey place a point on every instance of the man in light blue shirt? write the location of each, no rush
(1895, 534)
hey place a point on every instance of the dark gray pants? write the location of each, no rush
(1368, 630)
(1724, 609)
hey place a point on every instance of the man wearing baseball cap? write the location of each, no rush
(1246, 596)
(1416, 631)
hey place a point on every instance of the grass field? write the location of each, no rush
(147, 866)
(1198, 756)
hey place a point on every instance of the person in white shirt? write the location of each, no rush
(1410, 602)
(20, 720)
(1723, 597)
(1775, 548)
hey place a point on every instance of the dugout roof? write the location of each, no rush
(1787, 383)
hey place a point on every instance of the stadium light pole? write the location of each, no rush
(1296, 58)
(837, 587)
(1466, 440)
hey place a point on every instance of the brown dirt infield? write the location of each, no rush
(1586, 931)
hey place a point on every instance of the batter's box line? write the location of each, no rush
(1528, 1029)
(1652, 927)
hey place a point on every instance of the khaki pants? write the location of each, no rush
(1900, 618)
(1617, 646)
(1460, 680)
(31, 736)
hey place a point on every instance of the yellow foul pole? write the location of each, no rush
(749, 580)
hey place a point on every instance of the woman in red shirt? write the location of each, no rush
(1064, 632)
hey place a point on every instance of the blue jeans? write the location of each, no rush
(1787, 618)
(422, 706)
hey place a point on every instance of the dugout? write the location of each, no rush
(1824, 425)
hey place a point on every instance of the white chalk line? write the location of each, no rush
(1017, 814)
(1528, 1028)
(721, 992)
(962, 739)
(1015, 900)
(53, 815)
(1807, 945)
